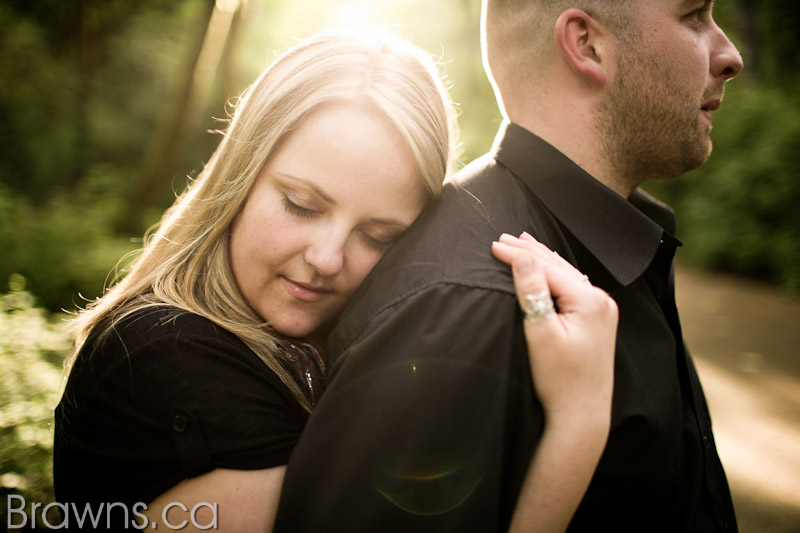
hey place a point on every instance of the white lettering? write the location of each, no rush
(110, 506)
(87, 509)
(19, 510)
(35, 506)
(203, 515)
(64, 513)
(166, 511)
(141, 522)
(214, 510)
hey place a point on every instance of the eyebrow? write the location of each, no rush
(690, 3)
(331, 201)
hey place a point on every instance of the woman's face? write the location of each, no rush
(321, 213)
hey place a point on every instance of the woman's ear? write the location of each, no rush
(583, 43)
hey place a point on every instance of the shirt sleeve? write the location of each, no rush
(425, 419)
(175, 406)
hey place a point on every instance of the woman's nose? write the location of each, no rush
(326, 252)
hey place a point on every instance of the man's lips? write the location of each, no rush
(304, 291)
(708, 107)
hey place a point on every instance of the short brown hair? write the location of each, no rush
(517, 33)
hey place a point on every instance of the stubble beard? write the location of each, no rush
(650, 125)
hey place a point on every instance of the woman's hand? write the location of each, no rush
(571, 350)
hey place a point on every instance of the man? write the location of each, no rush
(430, 421)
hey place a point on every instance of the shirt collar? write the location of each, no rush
(623, 235)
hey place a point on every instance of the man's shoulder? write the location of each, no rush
(478, 195)
(476, 205)
(448, 250)
(451, 241)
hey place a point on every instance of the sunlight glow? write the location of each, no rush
(353, 13)
(229, 6)
(755, 427)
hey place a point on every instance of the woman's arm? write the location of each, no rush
(572, 361)
(238, 500)
(571, 355)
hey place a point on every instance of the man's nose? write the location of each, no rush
(726, 61)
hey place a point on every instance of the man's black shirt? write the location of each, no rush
(429, 420)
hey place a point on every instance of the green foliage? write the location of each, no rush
(37, 133)
(739, 212)
(75, 126)
(776, 24)
(32, 348)
(66, 246)
(95, 134)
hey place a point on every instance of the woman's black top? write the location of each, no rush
(167, 396)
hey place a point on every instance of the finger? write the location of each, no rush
(509, 249)
(527, 237)
(571, 292)
(550, 277)
(543, 254)
(530, 244)
(505, 252)
(532, 289)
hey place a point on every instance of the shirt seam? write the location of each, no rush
(413, 292)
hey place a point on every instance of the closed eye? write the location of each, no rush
(296, 210)
(378, 245)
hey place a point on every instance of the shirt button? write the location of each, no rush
(180, 423)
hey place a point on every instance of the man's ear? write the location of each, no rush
(583, 42)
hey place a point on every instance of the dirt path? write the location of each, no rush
(745, 337)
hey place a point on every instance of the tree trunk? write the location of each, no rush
(163, 157)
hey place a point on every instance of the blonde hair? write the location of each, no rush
(185, 262)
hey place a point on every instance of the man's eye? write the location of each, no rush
(696, 16)
(296, 210)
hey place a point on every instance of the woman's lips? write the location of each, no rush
(304, 292)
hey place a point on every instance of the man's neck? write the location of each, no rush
(575, 137)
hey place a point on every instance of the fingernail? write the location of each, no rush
(524, 264)
(525, 234)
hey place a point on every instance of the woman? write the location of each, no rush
(193, 376)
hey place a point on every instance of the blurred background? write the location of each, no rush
(107, 107)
